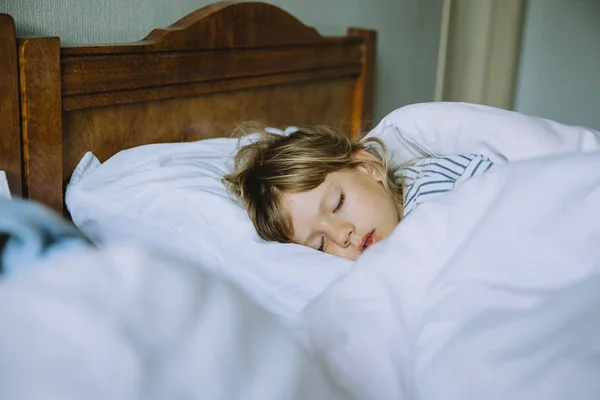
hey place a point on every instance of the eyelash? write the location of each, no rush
(341, 203)
(338, 208)
(322, 246)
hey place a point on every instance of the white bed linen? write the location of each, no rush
(489, 292)
(445, 128)
(123, 323)
(171, 196)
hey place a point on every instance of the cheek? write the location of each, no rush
(384, 205)
(364, 209)
(355, 205)
(379, 196)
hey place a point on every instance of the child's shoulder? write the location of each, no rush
(430, 177)
(456, 159)
(447, 167)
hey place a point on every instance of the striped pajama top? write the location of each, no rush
(433, 176)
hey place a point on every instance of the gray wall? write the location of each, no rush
(559, 75)
(409, 31)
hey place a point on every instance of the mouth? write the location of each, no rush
(368, 240)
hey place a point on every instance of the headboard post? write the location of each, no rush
(41, 120)
(10, 135)
(362, 112)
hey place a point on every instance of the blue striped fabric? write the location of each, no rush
(433, 176)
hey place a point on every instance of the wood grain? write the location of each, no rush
(362, 112)
(219, 66)
(116, 78)
(106, 130)
(10, 141)
(135, 71)
(41, 119)
(78, 102)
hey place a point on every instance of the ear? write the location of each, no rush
(367, 160)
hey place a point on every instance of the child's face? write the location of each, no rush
(345, 214)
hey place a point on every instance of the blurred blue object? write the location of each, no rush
(30, 232)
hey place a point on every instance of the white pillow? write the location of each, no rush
(171, 196)
(4, 189)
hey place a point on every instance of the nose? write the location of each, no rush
(341, 233)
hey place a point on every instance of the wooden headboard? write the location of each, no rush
(221, 65)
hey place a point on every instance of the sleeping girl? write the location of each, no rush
(318, 188)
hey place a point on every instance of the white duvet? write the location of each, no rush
(124, 323)
(489, 292)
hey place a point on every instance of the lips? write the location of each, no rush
(367, 241)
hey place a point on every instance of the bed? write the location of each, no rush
(505, 307)
(218, 66)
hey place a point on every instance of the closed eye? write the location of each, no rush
(341, 202)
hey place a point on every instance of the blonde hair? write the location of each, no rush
(274, 164)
